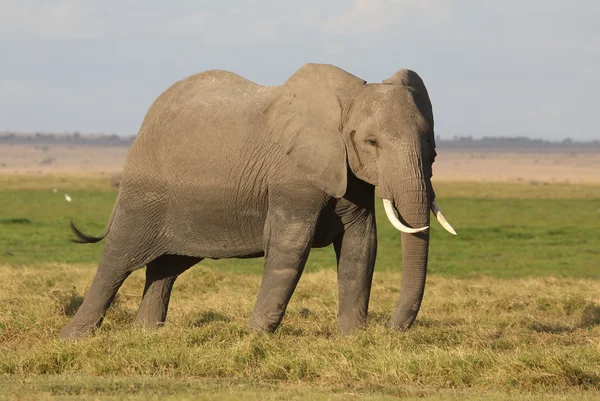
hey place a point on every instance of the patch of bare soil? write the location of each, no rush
(536, 168)
(68, 160)
(450, 165)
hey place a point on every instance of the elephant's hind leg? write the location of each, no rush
(160, 277)
(129, 246)
(115, 266)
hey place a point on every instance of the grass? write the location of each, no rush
(474, 336)
(511, 310)
(47, 388)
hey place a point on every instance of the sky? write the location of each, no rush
(492, 68)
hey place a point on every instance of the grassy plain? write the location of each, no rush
(511, 310)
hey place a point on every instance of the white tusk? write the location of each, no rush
(440, 217)
(389, 212)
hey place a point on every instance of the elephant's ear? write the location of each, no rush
(412, 79)
(305, 119)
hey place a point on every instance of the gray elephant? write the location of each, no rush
(225, 168)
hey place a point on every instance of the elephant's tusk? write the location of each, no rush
(440, 217)
(389, 212)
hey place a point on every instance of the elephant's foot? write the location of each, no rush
(395, 325)
(403, 320)
(351, 321)
(346, 328)
(150, 319)
(263, 324)
(154, 306)
(74, 331)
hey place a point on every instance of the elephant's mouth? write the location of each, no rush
(390, 212)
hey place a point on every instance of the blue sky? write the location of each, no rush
(505, 67)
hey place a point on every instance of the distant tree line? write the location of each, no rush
(67, 138)
(458, 142)
(521, 142)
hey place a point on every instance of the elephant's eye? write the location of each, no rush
(372, 142)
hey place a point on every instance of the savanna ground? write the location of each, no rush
(511, 309)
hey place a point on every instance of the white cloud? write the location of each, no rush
(377, 16)
(62, 20)
(236, 27)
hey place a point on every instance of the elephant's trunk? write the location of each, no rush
(412, 199)
(415, 248)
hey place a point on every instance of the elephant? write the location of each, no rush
(225, 168)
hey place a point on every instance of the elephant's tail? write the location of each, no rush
(88, 239)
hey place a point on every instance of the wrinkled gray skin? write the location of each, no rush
(225, 168)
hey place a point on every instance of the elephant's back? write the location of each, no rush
(206, 96)
(207, 116)
(204, 156)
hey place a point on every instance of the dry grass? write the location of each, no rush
(481, 336)
(144, 388)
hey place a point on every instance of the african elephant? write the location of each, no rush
(225, 168)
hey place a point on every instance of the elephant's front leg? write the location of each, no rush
(287, 245)
(356, 250)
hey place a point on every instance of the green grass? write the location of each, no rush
(511, 309)
(548, 232)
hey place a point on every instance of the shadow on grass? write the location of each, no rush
(431, 323)
(210, 316)
(590, 316)
(551, 328)
(15, 220)
(67, 301)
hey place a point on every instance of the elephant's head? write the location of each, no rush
(329, 121)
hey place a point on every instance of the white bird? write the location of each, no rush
(68, 198)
